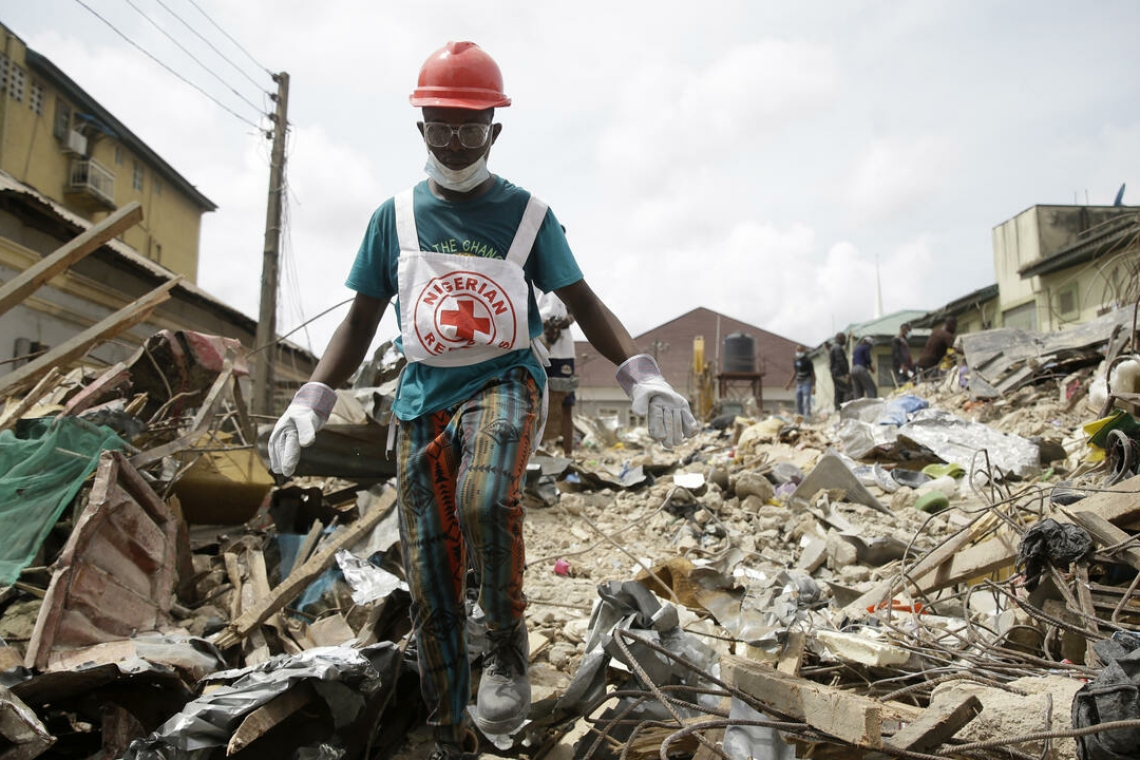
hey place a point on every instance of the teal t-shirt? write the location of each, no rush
(484, 226)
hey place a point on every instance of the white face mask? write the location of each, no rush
(457, 180)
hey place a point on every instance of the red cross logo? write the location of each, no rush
(464, 321)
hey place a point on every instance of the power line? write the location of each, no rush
(138, 47)
(181, 47)
(210, 44)
(228, 37)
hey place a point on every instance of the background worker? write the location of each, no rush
(902, 363)
(862, 367)
(940, 341)
(804, 378)
(840, 370)
(469, 400)
(561, 380)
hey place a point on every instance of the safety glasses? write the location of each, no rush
(437, 134)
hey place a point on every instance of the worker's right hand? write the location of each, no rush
(298, 426)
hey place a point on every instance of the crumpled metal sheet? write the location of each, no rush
(208, 722)
(957, 440)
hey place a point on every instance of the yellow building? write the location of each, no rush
(58, 140)
(66, 164)
(1064, 265)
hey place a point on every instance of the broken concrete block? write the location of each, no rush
(861, 648)
(813, 555)
(754, 484)
(840, 553)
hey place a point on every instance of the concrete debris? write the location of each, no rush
(947, 571)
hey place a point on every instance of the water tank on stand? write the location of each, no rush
(739, 353)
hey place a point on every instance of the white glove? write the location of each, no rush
(298, 426)
(666, 411)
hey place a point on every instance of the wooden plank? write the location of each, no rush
(233, 570)
(122, 320)
(1118, 504)
(18, 288)
(937, 725)
(260, 721)
(1084, 597)
(884, 590)
(981, 559)
(1105, 532)
(42, 387)
(847, 716)
(793, 654)
(304, 575)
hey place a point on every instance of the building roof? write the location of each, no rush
(102, 119)
(127, 255)
(887, 325)
(957, 306)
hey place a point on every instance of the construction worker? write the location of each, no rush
(460, 252)
(940, 342)
(562, 381)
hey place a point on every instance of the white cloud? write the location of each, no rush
(673, 118)
(896, 174)
(752, 158)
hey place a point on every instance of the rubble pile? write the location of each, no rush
(940, 573)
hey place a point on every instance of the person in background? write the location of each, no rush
(940, 341)
(840, 370)
(561, 380)
(902, 363)
(862, 368)
(804, 378)
(460, 254)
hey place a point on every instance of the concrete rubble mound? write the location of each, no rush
(951, 571)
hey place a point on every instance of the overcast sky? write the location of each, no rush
(760, 159)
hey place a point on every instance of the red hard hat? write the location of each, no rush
(460, 75)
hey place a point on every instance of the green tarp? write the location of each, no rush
(40, 473)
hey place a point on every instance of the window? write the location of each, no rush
(118, 155)
(1023, 317)
(1067, 305)
(158, 252)
(36, 99)
(16, 86)
(157, 186)
(62, 120)
(137, 178)
(4, 66)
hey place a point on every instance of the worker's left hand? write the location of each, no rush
(666, 411)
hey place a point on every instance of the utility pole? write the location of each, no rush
(263, 379)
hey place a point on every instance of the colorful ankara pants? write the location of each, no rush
(460, 494)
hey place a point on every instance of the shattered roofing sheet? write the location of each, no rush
(115, 576)
(995, 354)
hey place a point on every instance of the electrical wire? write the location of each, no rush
(228, 37)
(209, 44)
(149, 55)
(193, 57)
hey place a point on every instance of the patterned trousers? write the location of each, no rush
(460, 476)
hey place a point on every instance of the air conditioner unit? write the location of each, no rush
(76, 143)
